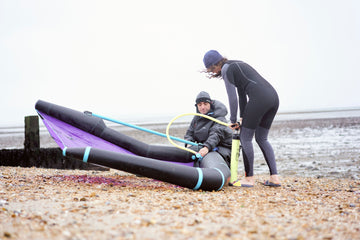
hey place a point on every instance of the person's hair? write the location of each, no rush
(212, 75)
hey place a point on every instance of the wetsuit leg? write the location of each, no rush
(252, 116)
(258, 116)
(268, 118)
(258, 113)
(261, 137)
(246, 136)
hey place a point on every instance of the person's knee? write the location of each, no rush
(260, 139)
(245, 137)
(261, 135)
(245, 141)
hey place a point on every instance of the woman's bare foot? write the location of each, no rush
(247, 182)
(273, 182)
(275, 179)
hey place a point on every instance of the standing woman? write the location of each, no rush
(258, 103)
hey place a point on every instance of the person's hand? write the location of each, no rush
(236, 126)
(204, 151)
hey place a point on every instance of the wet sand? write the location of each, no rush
(319, 164)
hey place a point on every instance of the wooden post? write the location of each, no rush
(32, 137)
(32, 141)
(34, 156)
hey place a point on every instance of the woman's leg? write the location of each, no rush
(261, 137)
(246, 136)
(258, 113)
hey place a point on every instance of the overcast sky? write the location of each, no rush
(131, 59)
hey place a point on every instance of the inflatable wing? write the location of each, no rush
(87, 138)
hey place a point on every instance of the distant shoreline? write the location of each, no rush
(321, 110)
(164, 120)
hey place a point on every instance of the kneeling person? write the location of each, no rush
(214, 139)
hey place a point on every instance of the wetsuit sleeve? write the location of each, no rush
(233, 99)
(234, 76)
(242, 100)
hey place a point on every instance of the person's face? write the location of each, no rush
(203, 107)
(215, 69)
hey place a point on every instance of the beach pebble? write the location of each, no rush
(319, 198)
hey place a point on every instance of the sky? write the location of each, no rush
(143, 59)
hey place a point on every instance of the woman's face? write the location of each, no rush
(203, 107)
(215, 69)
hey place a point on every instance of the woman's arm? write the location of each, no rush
(233, 100)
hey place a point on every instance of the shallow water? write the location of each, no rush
(330, 151)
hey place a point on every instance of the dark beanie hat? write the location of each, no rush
(203, 97)
(212, 57)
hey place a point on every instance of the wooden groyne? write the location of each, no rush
(34, 156)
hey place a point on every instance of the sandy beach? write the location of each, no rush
(319, 164)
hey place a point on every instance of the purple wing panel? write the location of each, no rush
(69, 136)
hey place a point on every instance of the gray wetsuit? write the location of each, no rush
(258, 103)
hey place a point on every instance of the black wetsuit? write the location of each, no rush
(258, 103)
